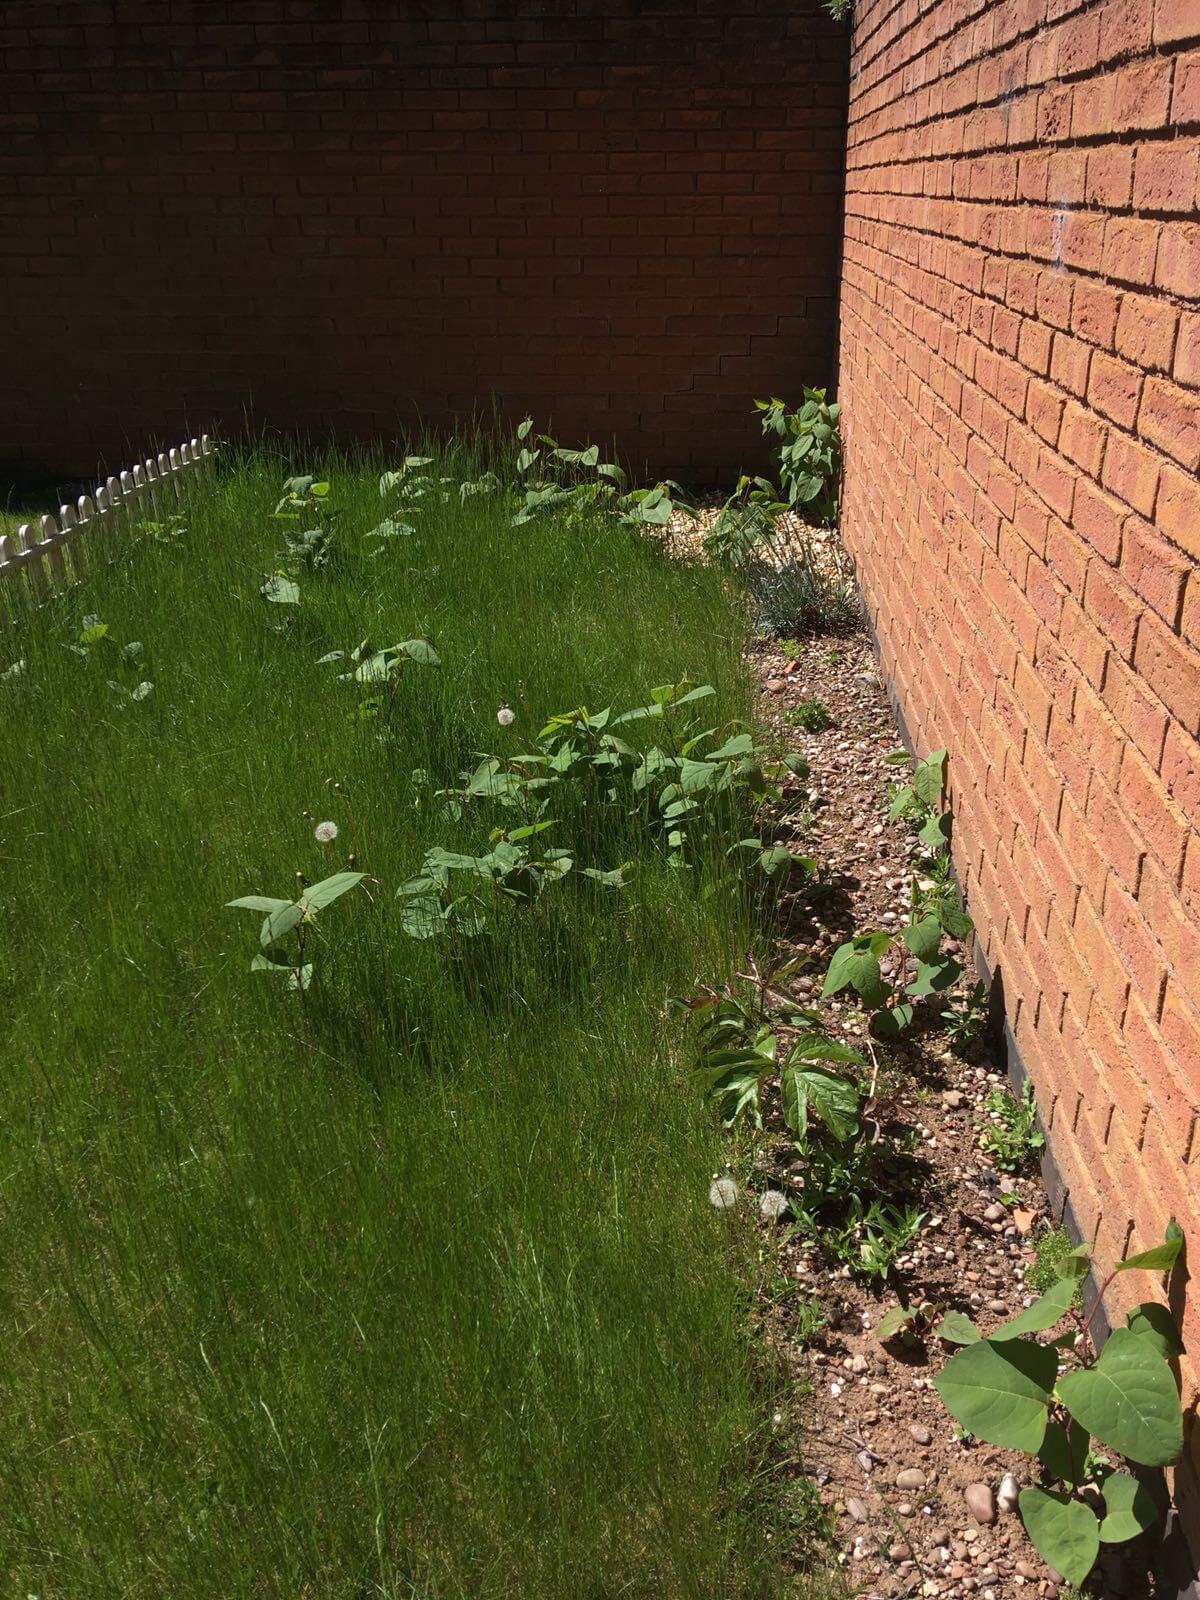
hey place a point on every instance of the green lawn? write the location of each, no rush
(407, 1285)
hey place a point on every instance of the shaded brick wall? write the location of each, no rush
(621, 215)
(1019, 367)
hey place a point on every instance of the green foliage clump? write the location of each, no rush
(1063, 1403)
(811, 715)
(1051, 1248)
(809, 452)
(825, 1103)
(916, 947)
(799, 591)
(1010, 1135)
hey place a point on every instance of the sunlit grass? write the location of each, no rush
(415, 1290)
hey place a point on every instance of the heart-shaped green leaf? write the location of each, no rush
(280, 591)
(1064, 1531)
(1130, 1508)
(1128, 1400)
(1042, 1314)
(1153, 1321)
(923, 938)
(934, 976)
(1001, 1392)
(1075, 1265)
(890, 1023)
(955, 1328)
(929, 776)
(1161, 1258)
(1063, 1454)
(856, 963)
(891, 1322)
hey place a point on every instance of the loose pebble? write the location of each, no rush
(981, 1503)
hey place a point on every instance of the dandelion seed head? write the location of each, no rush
(506, 716)
(772, 1204)
(325, 832)
(722, 1193)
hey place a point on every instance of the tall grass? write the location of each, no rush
(413, 1290)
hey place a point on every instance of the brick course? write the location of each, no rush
(620, 216)
(1020, 379)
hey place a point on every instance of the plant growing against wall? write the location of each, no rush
(1059, 1400)
(915, 949)
(919, 800)
(1010, 1134)
(809, 450)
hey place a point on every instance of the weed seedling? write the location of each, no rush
(1011, 1136)
(811, 715)
(1051, 1248)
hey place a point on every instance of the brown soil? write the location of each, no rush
(869, 1412)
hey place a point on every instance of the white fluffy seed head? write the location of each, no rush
(506, 716)
(325, 832)
(722, 1193)
(772, 1204)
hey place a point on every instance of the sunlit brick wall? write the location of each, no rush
(1019, 366)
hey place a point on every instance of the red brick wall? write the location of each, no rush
(621, 215)
(1019, 368)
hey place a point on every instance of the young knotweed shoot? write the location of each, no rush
(307, 549)
(1051, 1400)
(857, 964)
(384, 667)
(297, 917)
(95, 642)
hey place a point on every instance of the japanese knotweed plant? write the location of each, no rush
(916, 947)
(688, 787)
(405, 490)
(459, 895)
(1060, 1400)
(809, 452)
(306, 499)
(95, 642)
(751, 1034)
(577, 485)
(382, 668)
(919, 801)
(281, 918)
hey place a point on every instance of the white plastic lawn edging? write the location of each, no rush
(58, 549)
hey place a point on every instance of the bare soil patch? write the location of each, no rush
(913, 1509)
